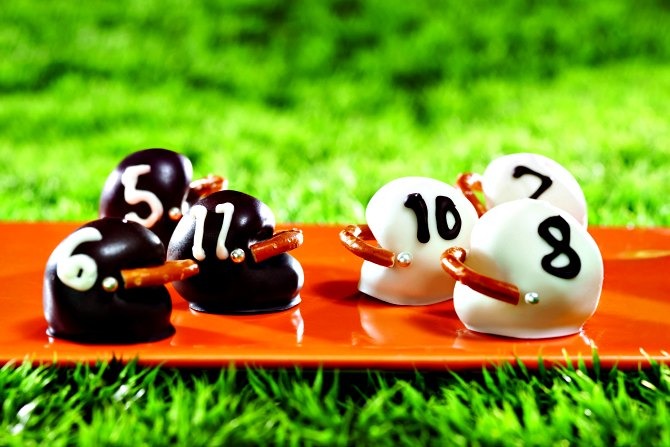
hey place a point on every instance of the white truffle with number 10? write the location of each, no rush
(548, 255)
(416, 218)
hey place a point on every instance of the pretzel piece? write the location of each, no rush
(205, 186)
(281, 242)
(159, 275)
(355, 237)
(469, 184)
(452, 261)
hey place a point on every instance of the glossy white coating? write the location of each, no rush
(398, 227)
(548, 255)
(527, 175)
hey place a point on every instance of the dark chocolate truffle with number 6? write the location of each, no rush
(104, 283)
(244, 265)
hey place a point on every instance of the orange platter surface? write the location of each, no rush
(337, 327)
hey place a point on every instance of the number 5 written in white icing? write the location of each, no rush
(133, 196)
(199, 214)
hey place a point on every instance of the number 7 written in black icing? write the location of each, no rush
(545, 184)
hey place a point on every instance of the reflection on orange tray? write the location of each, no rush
(337, 327)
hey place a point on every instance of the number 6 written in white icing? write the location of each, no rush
(133, 196)
(199, 214)
(80, 271)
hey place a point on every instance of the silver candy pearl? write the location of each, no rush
(110, 284)
(532, 298)
(403, 259)
(237, 255)
(175, 213)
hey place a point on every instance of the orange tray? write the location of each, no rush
(335, 326)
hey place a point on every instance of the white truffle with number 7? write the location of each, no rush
(526, 175)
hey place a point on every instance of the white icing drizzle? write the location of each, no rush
(199, 214)
(227, 209)
(133, 196)
(79, 271)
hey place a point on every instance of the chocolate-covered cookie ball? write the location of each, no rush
(243, 263)
(153, 187)
(148, 187)
(104, 284)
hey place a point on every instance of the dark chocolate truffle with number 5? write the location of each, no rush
(148, 187)
(104, 283)
(153, 187)
(244, 264)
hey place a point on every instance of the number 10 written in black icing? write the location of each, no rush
(443, 207)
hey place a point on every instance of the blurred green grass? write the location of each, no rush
(312, 106)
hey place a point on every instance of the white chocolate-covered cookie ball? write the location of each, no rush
(416, 219)
(547, 255)
(534, 176)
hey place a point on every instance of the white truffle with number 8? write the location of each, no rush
(417, 218)
(535, 176)
(548, 255)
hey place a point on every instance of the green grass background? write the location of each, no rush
(311, 106)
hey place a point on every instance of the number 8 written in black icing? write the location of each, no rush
(443, 206)
(545, 184)
(561, 247)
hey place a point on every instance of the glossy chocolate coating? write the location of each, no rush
(224, 286)
(97, 316)
(168, 180)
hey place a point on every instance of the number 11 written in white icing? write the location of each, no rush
(199, 214)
